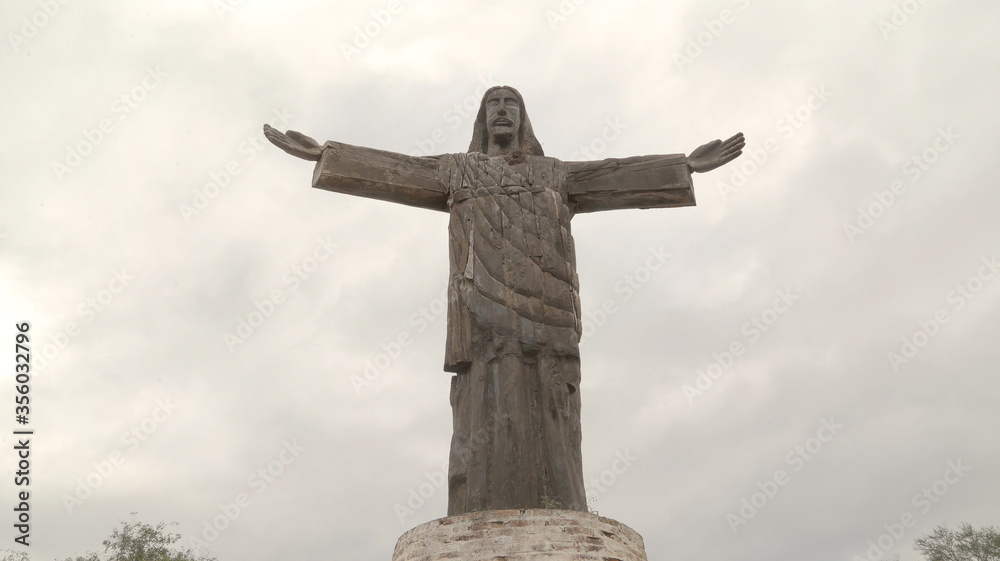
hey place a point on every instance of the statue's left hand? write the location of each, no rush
(295, 143)
(716, 153)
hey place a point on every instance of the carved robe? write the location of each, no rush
(514, 316)
(513, 334)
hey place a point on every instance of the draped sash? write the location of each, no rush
(512, 262)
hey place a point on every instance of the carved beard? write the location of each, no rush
(517, 156)
(506, 140)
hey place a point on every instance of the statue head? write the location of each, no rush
(502, 124)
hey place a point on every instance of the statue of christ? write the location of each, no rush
(514, 317)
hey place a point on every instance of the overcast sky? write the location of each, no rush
(801, 363)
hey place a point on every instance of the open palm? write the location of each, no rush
(716, 153)
(295, 143)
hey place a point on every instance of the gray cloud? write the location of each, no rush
(197, 276)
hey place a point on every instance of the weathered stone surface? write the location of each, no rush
(521, 535)
(514, 314)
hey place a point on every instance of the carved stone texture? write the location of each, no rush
(514, 319)
(521, 535)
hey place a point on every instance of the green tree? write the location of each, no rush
(965, 544)
(12, 555)
(138, 541)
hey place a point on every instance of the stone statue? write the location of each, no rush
(514, 317)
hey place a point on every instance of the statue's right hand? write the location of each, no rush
(295, 143)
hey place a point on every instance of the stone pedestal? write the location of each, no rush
(521, 535)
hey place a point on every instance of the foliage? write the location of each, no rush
(12, 555)
(138, 541)
(551, 502)
(964, 544)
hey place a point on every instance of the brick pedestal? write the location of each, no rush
(521, 535)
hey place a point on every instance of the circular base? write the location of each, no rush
(520, 535)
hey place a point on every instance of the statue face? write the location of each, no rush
(503, 116)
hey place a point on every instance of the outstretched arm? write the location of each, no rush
(645, 181)
(716, 153)
(295, 143)
(366, 172)
(657, 181)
